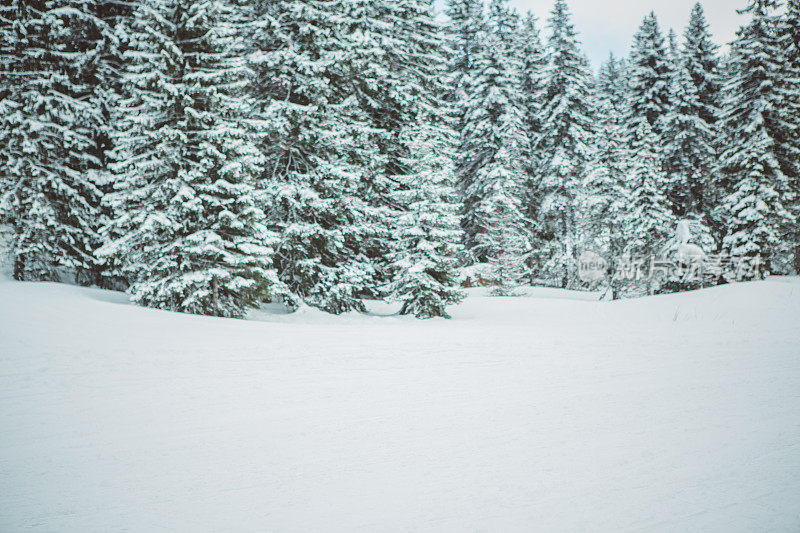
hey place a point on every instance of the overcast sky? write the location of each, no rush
(609, 25)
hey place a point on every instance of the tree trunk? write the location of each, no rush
(797, 259)
(215, 295)
(19, 268)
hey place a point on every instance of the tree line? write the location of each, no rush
(209, 155)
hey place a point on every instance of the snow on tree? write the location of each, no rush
(565, 145)
(689, 151)
(689, 129)
(466, 30)
(753, 208)
(428, 233)
(648, 221)
(317, 141)
(606, 194)
(53, 62)
(493, 139)
(506, 234)
(400, 82)
(612, 89)
(789, 102)
(189, 234)
(503, 21)
(649, 77)
(533, 87)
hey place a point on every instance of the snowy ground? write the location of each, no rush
(548, 413)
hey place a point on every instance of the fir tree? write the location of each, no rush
(606, 194)
(753, 208)
(317, 140)
(189, 234)
(53, 54)
(690, 133)
(789, 102)
(506, 236)
(492, 142)
(533, 86)
(650, 76)
(425, 263)
(565, 146)
(612, 89)
(466, 29)
(647, 222)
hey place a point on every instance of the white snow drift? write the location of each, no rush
(550, 413)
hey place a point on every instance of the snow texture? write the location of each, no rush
(552, 412)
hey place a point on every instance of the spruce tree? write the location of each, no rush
(428, 232)
(647, 222)
(53, 63)
(318, 144)
(565, 145)
(612, 89)
(789, 103)
(650, 77)
(606, 193)
(493, 139)
(506, 236)
(752, 177)
(188, 234)
(466, 30)
(533, 86)
(690, 128)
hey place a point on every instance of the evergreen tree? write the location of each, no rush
(753, 208)
(565, 146)
(493, 139)
(409, 87)
(189, 234)
(690, 133)
(606, 194)
(52, 69)
(428, 232)
(466, 29)
(506, 237)
(318, 144)
(789, 90)
(612, 89)
(648, 222)
(650, 76)
(533, 86)
(504, 23)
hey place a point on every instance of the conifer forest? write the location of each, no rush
(208, 156)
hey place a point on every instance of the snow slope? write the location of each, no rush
(549, 413)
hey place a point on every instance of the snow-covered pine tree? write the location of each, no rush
(466, 29)
(401, 83)
(189, 234)
(53, 54)
(789, 102)
(612, 89)
(565, 145)
(533, 83)
(428, 232)
(649, 77)
(647, 221)
(493, 127)
(503, 21)
(688, 151)
(314, 133)
(506, 235)
(606, 194)
(753, 208)
(700, 57)
(689, 129)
